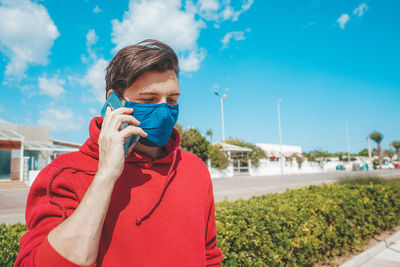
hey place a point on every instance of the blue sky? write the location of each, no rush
(331, 63)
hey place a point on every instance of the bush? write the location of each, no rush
(217, 157)
(366, 179)
(302, 227)
(9, 242)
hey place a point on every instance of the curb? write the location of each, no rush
(371, 252)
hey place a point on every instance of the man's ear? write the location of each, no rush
(110, 91)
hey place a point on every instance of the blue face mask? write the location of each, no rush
(157, 120)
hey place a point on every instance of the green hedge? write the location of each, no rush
(304, 226)
(297, 228)
(9, 242)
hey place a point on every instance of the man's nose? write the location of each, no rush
(163, 100)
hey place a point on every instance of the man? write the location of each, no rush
(153, 208)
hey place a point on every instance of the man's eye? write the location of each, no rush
(172, 101)
(148, 100)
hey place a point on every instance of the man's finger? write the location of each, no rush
(122, 110)
(108, 111)
(132, 130)
(129, 119)
(114, 120)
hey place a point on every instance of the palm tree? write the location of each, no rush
(210, 134)
(377, 137)
(388, 153)
(396, 146)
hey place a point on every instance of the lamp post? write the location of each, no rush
(280, 135)
(221, 97)
(348, 144)
(369, 152)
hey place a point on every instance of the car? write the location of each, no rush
(396, 164)
(387, 166)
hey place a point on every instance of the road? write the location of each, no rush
(247, 186)
(12, 201)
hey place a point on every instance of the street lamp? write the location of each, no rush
(221, 97)
(280, 135)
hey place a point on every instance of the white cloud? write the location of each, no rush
(236, 35)
(95, 79)
(234, 15)
(52, 87)
(27, 34)
(221, 10)
(207, 9)
(208, 5)
(171, 22)
(96, 10)
(165, 21)
(91, 39)
(191, 61)
(342, 20)
(59, 119)
(360, 10)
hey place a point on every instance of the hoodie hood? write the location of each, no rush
(91, 147)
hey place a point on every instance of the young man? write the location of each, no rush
(154, 207)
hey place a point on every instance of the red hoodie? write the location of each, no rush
(161, 211)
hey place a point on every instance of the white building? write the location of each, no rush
(273, 150)
(25, 150)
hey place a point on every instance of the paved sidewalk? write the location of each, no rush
(386, 253)
(12, 205)
(389, 257)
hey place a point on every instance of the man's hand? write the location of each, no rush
(77, 238)
(112, 139)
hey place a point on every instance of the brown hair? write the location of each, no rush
(134, 60)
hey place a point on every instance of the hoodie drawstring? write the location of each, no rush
(170, 177)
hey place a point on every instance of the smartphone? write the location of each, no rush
(114, 103)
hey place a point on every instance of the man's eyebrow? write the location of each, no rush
(148, 93)
(154, 93)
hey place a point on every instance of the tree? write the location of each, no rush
(217, 157)
(255, 155)
(396, 146)
(377, 137)
(193, 141)
(298, 157)
(317, 155)
(209, 133)
(363, 153)
(388, 153)
(300, 160)
(179, 128)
